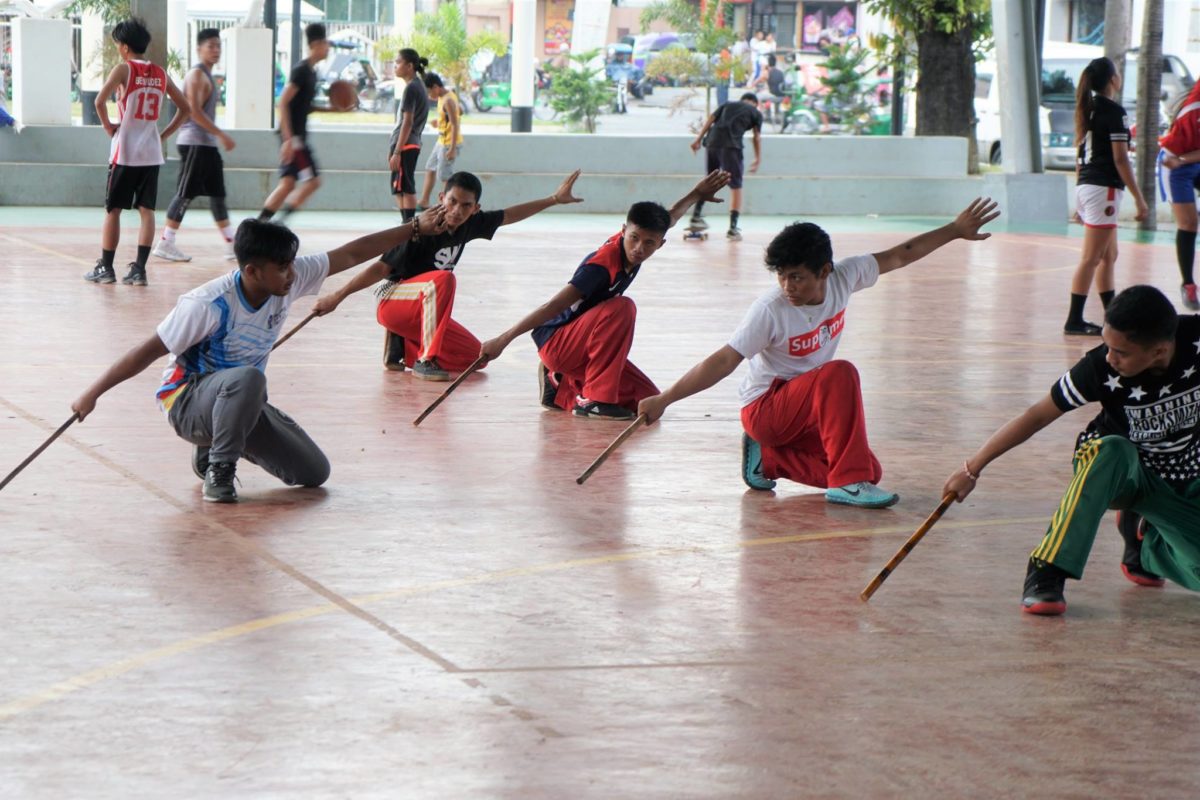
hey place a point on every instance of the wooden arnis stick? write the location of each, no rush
(476, 364)
(293, 331)
(642, 419)
(907, 547)
(61, 429)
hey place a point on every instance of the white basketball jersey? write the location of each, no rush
(137, 143)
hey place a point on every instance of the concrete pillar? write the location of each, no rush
(524, 36)
(1016, 59)
(41, 71)
(297, 46)
(403, 12)
(249, 93)
(590, 27)
(91, 68)
(179, 40)
(154, 14)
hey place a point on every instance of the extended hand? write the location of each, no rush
(652, 407)
(712, 183)
(565, 192)
(981, 211)
(326, 305)
(84, 405)
(492, 348)
(960, 483)
(432, 220)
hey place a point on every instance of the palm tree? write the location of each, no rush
(1149, 93)
(442, 38)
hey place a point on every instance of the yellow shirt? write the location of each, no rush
(443, 117)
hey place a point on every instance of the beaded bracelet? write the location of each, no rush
(970, 474)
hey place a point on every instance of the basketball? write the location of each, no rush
(343, 96)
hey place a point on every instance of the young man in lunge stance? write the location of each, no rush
(1140, 455)
(802, 410)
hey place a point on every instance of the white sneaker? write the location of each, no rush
(229, 254)
(169, 251)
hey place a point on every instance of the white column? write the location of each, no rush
(1016, 61)
(91, 67)
(524, 35)
(403, 12)
(178, 40)
(590, 28)
(249, 77)
(41, 71)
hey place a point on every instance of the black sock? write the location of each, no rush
(107, 257)
(265, 215)
(1106, 298)
(733, 218)
(699, 209)
(143, 254)
(407, 213)
(1076, 314)
(286, 212)
(1185, 251)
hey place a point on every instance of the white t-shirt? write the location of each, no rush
(213, 327)
(782, 340)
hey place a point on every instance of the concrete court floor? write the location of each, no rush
(453, 617)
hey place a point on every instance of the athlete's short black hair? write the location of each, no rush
(467, 181)
(208, 33)
(771, 61)
(649, 216)
(432, 79)
(257, 241)
(134, 34)
(801, 244)
(314, 32)
(750, 97)
(1143, 314)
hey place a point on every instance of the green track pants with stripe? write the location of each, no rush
(1108, 474)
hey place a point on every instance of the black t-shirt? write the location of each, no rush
(602, 276)
(416, 100)
(733, 120)
(1108, 124)
(775, 82)
(441, 251)
(1159, 414)
(305, 79)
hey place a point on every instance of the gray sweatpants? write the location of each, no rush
(228, 411)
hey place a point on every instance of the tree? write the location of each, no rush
(579, 90)
(846, 86)
(949, 37)
(1149, 97)
(442, 38)
(704, 26)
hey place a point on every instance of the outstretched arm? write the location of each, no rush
(965, 226)
(1014, 432)
(704, 375)
(564, 194)
(566, 297)
(374, 245)
(124, 368)
(705, 190)
(364, 278)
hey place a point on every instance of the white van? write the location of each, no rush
(1062, 62)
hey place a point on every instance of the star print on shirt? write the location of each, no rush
(1197, 343)
(1189, 372)
(1164, 391)
(1136, 393)
(1114, 383)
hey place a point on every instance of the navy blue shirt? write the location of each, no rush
(602, 276)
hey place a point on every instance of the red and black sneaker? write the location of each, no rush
(1044, 590)
(1133, 531)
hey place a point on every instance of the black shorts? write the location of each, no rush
(728, 159)
(130, 186)
(405, 181)
(302, 167)
(201, 172)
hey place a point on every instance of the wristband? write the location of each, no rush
(970, 474)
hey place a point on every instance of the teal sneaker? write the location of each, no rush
(752, 472)
(863, 494)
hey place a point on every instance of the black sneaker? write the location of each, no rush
(136, 275)
(393, 351)
(734, 234)
(548, 387)
(1081, 329)
(1044, 589)
(218, 482)
(592, 409)
(430, 370)
(101, 273)
(200, 460)
(1133, 530)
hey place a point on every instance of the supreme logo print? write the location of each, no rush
(808, 343)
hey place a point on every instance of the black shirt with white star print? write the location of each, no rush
(1159, 414)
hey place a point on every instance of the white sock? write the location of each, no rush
(225, 231)
(169, 234)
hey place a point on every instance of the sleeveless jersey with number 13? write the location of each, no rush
(137, 143)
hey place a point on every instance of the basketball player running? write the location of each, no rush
(136, 152)
(201, 172)
(297, 162)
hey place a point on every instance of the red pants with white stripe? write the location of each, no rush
(591, 351)
(419, 310)
(812, 429)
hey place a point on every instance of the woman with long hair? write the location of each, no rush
(1178, 176)
(1102, 172)
(405, 145)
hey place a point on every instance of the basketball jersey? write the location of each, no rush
(1184, 136)
(137, 142)
(190, 132)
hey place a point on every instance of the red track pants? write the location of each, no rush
(591, 351)
(812, 429)
(419, 310)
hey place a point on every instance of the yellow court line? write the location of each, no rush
(92, 677)
(55, 253)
